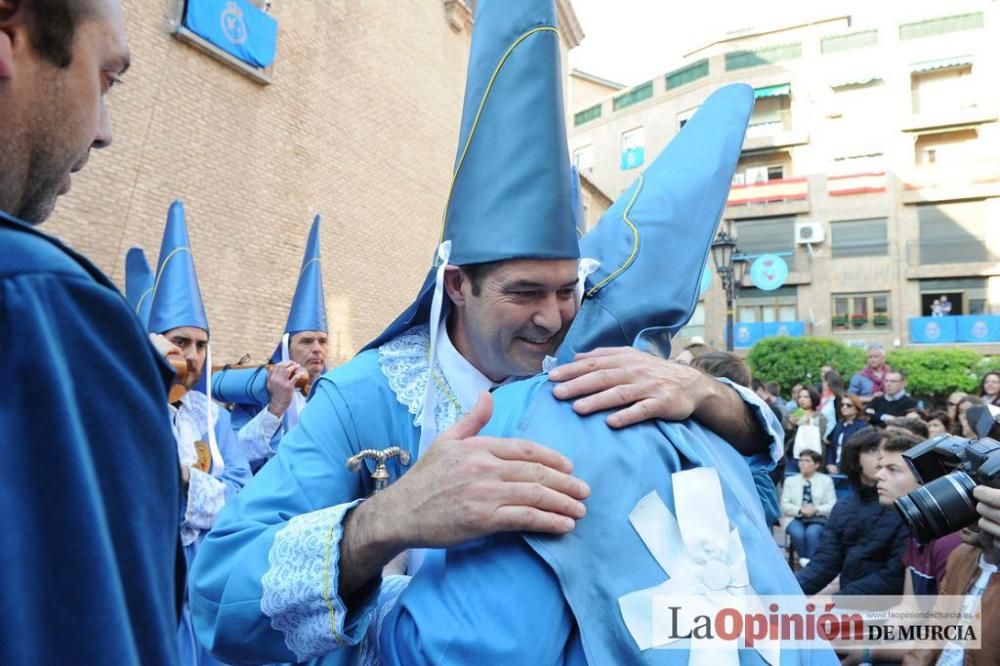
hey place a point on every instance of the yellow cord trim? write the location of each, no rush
(138, 304)
(163, 268)
(479, 112)
(306, 265)
(326, 583)
(635, 243)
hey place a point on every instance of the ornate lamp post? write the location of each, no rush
(731, 267)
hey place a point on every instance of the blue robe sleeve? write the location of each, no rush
(264, 587)
(493, 601)
(89, 482)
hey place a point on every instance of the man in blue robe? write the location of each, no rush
(589, 596)
(290, 562)
(89, 563)
(265, 408)
(212, 463)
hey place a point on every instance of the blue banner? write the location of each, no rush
(235, 26)
(748, 334)
(977, 328)
(933, 330)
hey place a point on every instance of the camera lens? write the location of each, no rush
(943, 506)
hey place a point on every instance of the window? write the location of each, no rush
(966, 295)
(770, 115)
(860, 311)
(755, 305)
(762, 174)
(943, 89)
(763, 56)
(583, 158)
(685, 75)
(774, 235)
(633, 96)
(633, 148)
(940, 26)
(946, 148)
(588, 114)
(851, 40)
(953, 233)
(685, 116)
(859, 238)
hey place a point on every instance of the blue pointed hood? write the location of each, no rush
(176, 296)
(138, 284)
(510, 193)
(654, 241)
(576, 198)
(308, 311)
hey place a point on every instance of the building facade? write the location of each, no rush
(871, 167)
(356, 119)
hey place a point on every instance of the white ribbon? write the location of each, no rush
(705, 561)
(217, 464)
(585, 267)
(428, 428)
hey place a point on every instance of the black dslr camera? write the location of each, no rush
(948, 468)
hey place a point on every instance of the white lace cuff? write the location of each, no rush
(255, 437)
(206, 497)
(300, 592)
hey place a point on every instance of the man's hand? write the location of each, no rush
(648, 387)
(281, 378)
(464, 487)
(165, 347)
(641, 386)
(989, 524)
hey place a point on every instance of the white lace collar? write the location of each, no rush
(404, 362)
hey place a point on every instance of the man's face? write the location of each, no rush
(876, 358)
(308, 349)
(520, 315)
(193, 343)
(894, 383)
(869, 466)
(54, 116)
(894, 477)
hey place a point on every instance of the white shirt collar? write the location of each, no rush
(464, 378)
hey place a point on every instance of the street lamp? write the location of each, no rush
(731, 267)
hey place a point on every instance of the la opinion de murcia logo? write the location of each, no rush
(234, 27)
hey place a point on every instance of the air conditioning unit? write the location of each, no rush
(807, 233)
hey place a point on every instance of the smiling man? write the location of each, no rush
(84, 424)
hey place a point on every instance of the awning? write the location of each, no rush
(944, 63)
(773, 91)
(857, 79)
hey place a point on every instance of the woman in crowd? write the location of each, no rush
(954, 398)
(830, 399)
(938, 423)
(849, 423)
(806, 502)
(989, 389)
(965, 430)
(808, 425)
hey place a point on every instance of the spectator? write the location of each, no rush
(809, 424)
(884, 409)
(964, 429)
(830, 398)
(936, 308)
(776, 404)
(925, 564)
(953, 401)
(870, 380)
(938, 423)
(989, 389)
(792, 404)
(849, 423)
(910, 425)
(863, 540)
(723, 364)
(692, 351)
(945, 306)
(806, 501)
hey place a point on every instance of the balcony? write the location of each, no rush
(772, 131)
(942, 182)
(936, 258)
(968, 329)
(788, 196)
(953, 111)
(748, 334)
